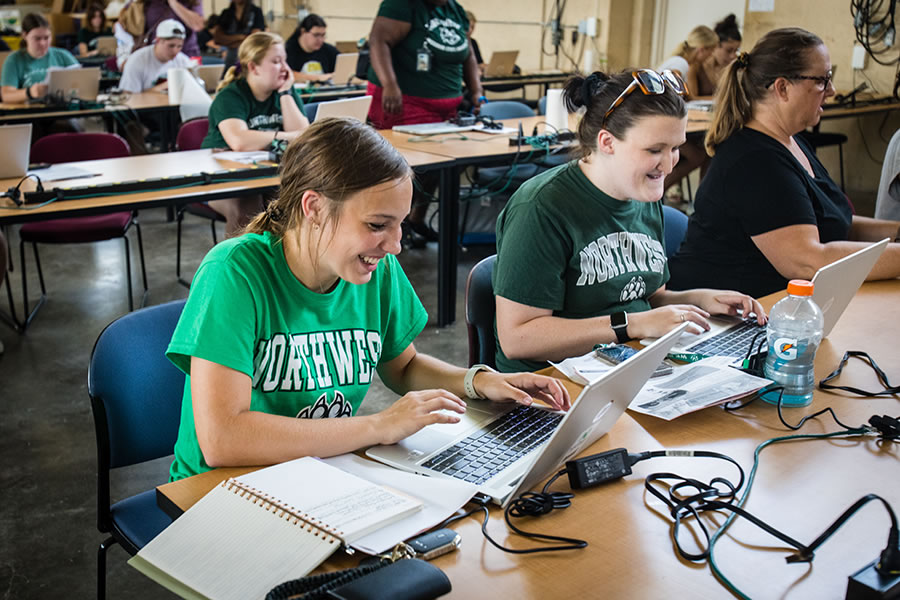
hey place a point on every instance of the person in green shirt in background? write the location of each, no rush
(420, 54)
(580, 256)
(286, 325)
(254, 107)
(25, 71)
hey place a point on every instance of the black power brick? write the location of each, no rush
(870, 583)
(598, 468)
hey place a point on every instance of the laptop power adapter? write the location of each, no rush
(871, 584)
(598, 468)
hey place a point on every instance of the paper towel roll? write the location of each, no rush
(194, 101)
(176, 79)
(556, 110)
(588, 63)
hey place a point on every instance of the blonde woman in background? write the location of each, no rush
(256, 105)
(687, 59)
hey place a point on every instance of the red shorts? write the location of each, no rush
(415, 110)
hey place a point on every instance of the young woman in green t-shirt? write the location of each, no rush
(24, 71)
(256, 105)
(318, 264)
(580, 256)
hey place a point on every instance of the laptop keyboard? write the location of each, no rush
(491, 449)
(734, 341)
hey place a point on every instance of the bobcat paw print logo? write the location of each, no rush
(634, 289)
(786, 348)
(322, 409)
(449, 37)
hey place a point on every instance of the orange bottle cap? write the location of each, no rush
(800, 287)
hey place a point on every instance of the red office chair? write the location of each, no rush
(66, 147)
(190, 136)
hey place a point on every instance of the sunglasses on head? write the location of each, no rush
(650, 83)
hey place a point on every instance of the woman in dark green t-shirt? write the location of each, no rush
(580, 256)
(91, 28)
(252, 111)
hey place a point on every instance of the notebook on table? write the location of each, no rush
(357, 108)
(505, 448)
(344, 68)
(835, 285)
(15, 148)
(253, 532)
(83, 83)
(501, 64)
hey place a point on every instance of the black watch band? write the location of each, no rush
(28, 92)
(619, 323)
(286, 92)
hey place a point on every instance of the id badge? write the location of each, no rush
(423, 60)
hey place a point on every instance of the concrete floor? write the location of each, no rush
(48, 534)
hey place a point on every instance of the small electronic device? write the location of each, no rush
(618, 353)
(598, 468)
(435, 543)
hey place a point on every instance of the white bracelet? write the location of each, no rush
(468, 380)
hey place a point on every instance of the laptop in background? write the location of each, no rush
(347, 47)
(501, 64)
(83, 83)
(835, 286)
(357, 108)
(210, 74)
(15, 148)
(522, 445)
(344, 68)
(106, 45)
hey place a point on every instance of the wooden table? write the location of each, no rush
(801, 487)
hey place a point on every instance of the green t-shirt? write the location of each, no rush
(236, 101)
(440, 29)
(564, 245)
(308, 355)
(20, 70)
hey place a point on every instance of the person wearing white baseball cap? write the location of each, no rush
(147, 66)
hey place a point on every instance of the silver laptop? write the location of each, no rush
(357, 108)
(344, 68)
(83, 83)
(210, 75)
(835, 285)
(501, 64)
(520, 446)
(15, 148)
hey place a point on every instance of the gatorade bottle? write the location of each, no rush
(794, 332)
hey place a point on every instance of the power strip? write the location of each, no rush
(548, 139)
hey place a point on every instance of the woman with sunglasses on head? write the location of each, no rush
(256, 106)
(580, 257)
(286, 325)
(767, 211)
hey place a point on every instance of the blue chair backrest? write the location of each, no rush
(480, 311)
(675, 225)
(310, 109)
(135, 390)
(506, 109)
(542, 105)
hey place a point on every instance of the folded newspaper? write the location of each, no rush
(689, 388)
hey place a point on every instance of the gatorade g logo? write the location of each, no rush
(786, 348)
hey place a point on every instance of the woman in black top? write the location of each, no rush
(308, 55)
(767, 211)
(236, 22)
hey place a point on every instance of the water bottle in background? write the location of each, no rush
(794, 333)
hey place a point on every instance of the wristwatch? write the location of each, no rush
(286, 92)
(619, 323)
(468, 384)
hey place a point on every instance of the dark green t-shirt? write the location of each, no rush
(564, 245)
(236, 101)
(308, 355)
(440, 29)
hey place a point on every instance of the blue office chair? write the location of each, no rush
(310, 109)
(480, 312)
(675, 225)
(506, 109)
(136, 400)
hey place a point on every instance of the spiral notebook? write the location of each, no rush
(261, 529)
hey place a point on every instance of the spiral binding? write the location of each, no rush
(288, 512)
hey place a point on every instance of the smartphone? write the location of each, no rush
(620, 352)
(435, 543)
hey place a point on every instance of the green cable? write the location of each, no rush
(721, 530)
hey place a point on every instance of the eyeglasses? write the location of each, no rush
(650, 83)
(822, 81)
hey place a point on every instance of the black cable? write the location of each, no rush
(890, 390)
